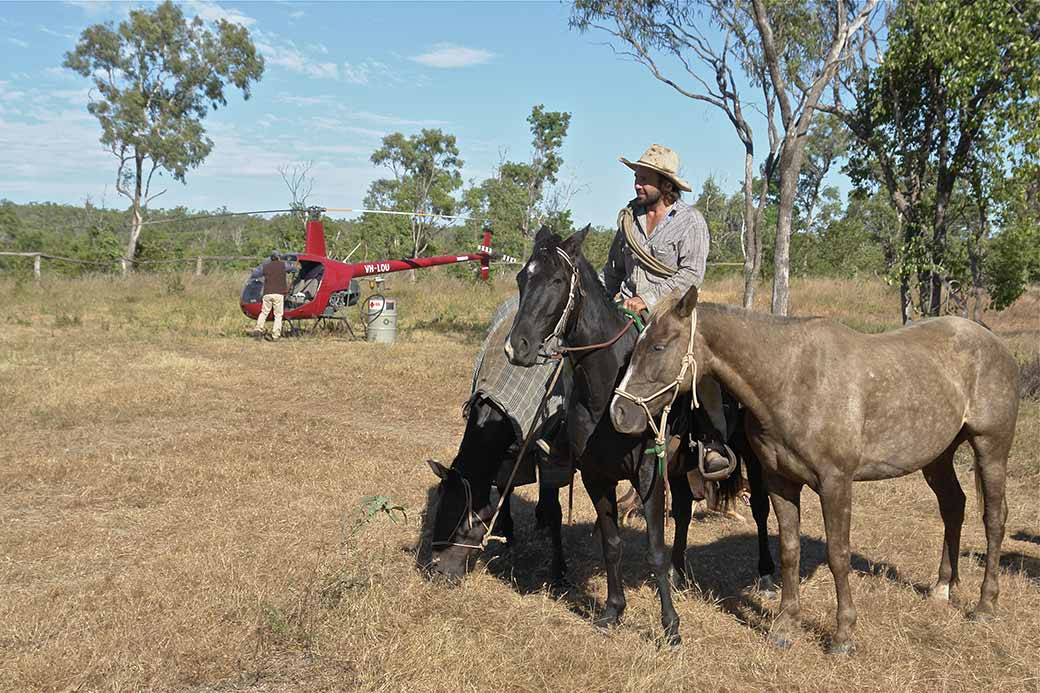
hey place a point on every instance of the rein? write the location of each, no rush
(470, 514)
(660, 430)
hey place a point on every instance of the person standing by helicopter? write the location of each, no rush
(276, 286)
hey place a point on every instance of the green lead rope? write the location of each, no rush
(638, 322)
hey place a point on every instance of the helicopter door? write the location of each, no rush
(305, 288)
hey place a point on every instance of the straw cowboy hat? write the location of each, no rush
(663, 160)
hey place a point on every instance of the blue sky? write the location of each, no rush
(339, 77)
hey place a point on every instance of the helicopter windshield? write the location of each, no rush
(253, 291)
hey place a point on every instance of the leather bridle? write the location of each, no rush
(688, 362)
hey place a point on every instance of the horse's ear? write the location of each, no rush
(543, 235)
(572, 246)
(439, 469)
(687, 303)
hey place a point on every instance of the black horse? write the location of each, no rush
(561, 295)
(464, 508)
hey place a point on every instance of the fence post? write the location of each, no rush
(36, 266)
(198, 266)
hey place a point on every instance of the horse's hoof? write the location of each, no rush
(766, 586)
(781, 641)
(607, 620)
(841, 648)
(939, 593)
(982, 616)
(680, 583)
(673, 640)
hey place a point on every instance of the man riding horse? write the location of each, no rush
(662, 245)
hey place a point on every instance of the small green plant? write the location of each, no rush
(371, 506)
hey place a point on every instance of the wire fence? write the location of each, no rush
(198, 260)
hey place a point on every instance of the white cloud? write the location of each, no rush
(292, 59)
(394, 120)
(7, 94)
(94, 8)
(61, 145)
(60, 72)
(447, 55)
(213, 12)
(18, 42)
(337, 125)
(52, 32)
(305, 101)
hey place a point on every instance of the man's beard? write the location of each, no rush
(651, 199)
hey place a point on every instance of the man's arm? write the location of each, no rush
(691, 260)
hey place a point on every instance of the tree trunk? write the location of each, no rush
(904, 298)
(136, 217)
(790, 166)
(751, 243)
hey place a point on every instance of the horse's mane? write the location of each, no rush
(666, 303)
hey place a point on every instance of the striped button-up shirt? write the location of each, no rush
(679, 240)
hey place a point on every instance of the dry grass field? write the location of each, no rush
(182, 509)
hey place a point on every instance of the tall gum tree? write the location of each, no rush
(156, 76)
(709, 39)
(427, 171)
(803, 45)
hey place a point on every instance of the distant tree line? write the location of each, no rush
(929, 107)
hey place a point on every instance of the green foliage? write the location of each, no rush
(514, 201)
(157, 75)
(953, 103)
(381, 505)
(1014, 260)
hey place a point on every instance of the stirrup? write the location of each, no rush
(727, 452)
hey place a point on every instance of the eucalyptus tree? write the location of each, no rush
(949, 97)
(522, 195)
(426, 172)
(713, 42)
(156, 76)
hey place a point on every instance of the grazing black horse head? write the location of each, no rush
(464, 494)
(464, 507)
(550, 286)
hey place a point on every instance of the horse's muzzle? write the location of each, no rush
(520, 352)
(627, 417)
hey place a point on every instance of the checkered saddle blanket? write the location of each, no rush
(516, 391)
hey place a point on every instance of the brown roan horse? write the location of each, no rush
(828, 406)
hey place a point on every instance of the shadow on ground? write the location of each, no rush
(722, 571)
